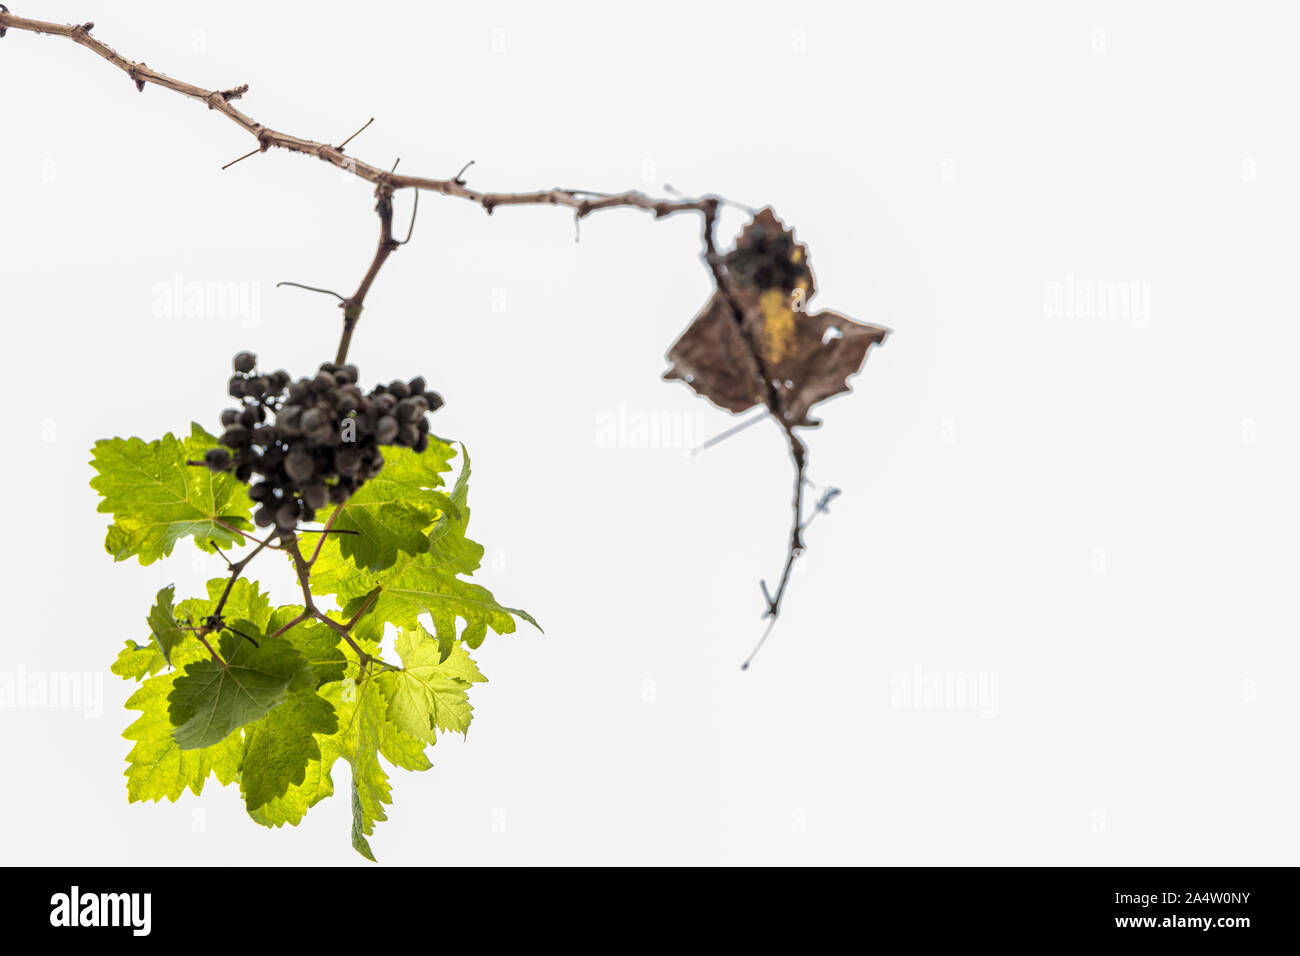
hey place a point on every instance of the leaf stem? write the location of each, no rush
(325, 530)
(215, 656)
(214, 622)
(303, 568)
(370, 601)
(292, 624)
(243, 534)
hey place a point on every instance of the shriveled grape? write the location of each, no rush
(311, 442)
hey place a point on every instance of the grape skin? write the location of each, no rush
(289, 436)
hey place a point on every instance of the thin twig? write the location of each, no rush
(415, 211)
(759, 646)
(763, 387)
(724, 435)
(325, 529)
(292, 624)
(822, 505)
(312, 288)
(240, 159)
(214, 621)
(217, 548)
(364, 127)
(243, 534)
(797, 546)
(800, 456)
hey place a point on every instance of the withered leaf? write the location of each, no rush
(755, 343)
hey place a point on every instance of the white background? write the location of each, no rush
(1093, 515)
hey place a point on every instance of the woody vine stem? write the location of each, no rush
(387, 183)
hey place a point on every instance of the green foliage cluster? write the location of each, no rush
(271, 698)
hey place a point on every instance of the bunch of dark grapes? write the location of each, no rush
(301, 445)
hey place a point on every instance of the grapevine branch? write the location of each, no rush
(798, 451)
(303, 569)
(387, 245)
(387, 182)
(582, 202)
(215, 622)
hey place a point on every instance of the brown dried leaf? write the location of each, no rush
(754, 343)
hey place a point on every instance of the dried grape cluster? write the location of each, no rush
(767, 261)
(314, 441)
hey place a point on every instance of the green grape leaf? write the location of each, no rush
(291, 750)
(424, 583)
(316, 643)
(156, 499)
(278, 710)
(429, 693)
(316, 785)
(419, 585)
(361, 825)
(364, 734)
(280, 746)
(157, 767)
(392, 511)
(457, 553)
(138, 661)
(162, 624)
(298, 798)
(246, 601)
(211, 698)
